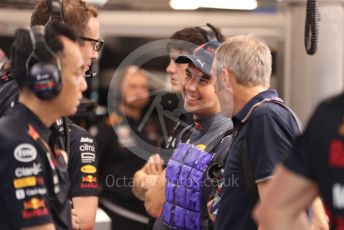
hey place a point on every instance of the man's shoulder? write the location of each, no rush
(273, 110)
(20, 145)
(335, 102)
(80, 135)
(10, 126)
(78, 130)
(9, 88)
(8, 93)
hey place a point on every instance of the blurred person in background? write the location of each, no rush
(117, 136)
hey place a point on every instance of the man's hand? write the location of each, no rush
(75, 224)
(212, 217)
(319, 218)
(147, 176)
(154, 165)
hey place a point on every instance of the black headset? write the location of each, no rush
(56, 10)
(210, 33)
(44, 76)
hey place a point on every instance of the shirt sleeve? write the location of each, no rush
(83, 164)
(23, 192)
(269, 140)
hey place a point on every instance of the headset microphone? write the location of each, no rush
(92, 71)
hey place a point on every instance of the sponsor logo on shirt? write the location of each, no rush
(338, 195)
(28, 171)
(25, 153)
(201, 146)
(89, 179)
(88, 157)
(25, 182)
(34, 203)
(86, 139)
(336, 154)
(88, 169)
(27, 214)
(89, 185)
(20, 194)
(35, 191)
(86, 147)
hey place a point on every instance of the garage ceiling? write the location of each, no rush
(147, 5)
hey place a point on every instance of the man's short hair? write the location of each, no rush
(248, 57)
(22, 48)
(189, 38)
(76, 14)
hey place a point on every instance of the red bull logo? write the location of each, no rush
(35, 213)
(34, 203)
(89, 179)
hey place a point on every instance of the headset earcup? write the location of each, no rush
(45, 79)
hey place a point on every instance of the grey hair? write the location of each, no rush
(249, 59)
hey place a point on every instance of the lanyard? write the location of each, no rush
(48, 152)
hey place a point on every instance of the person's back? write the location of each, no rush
(318, 156)
(313, 168)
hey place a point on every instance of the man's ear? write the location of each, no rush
(227, 77)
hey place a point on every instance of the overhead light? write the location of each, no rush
(97, 2)
(184, 5)
(216, 4)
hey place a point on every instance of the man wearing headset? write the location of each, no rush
(84, 152)
(83, 157)
(149, 182)
(48, 67)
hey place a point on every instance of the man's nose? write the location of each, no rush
(171, 68)
(192, 84)
(83, 84)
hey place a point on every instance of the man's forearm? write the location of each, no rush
(155, 197)
(86, 208)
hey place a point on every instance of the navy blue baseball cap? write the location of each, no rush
(202, 57)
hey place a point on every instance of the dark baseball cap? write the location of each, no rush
(202, 56)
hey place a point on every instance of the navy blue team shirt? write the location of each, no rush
(269, 133)
(31, 193)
